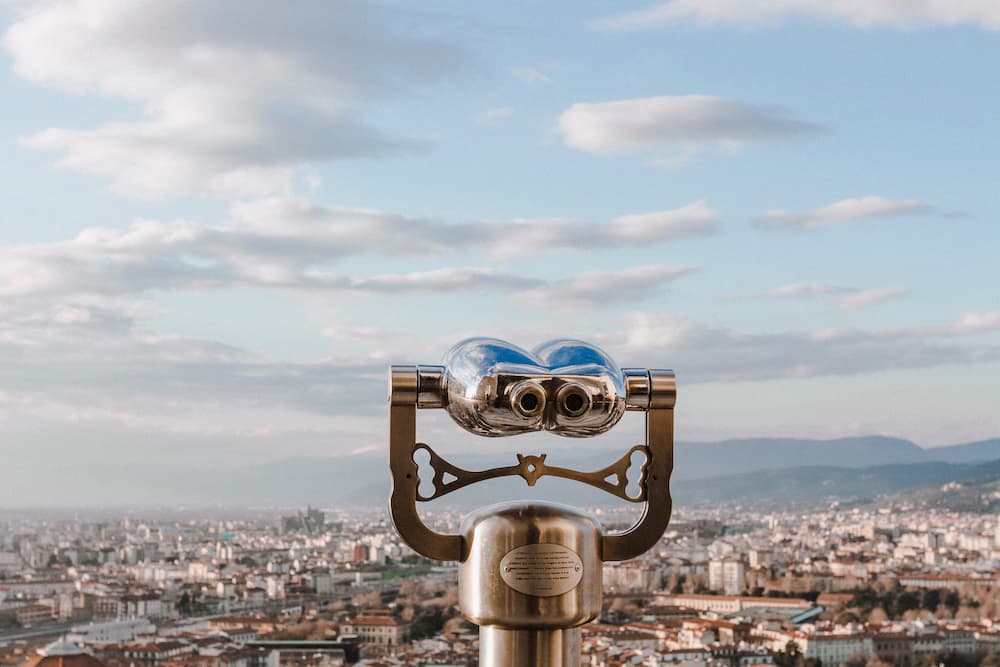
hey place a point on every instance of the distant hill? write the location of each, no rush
(809, 484)
(732, 457)
(747, 470)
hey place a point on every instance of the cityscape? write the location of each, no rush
(223, 222)
(887, 583)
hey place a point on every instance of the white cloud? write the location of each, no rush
(684, 121)
(861, 13)
(806, 290)
(869, 297)
(972, 323)
(235, 94)
(439, 281)
(530, 75)
(716, 353)
(692, 220)
(845, 210)
(492, 116)
(289, 244)
(523, 237)
(848, 298)
(599, 289)
(340, 232)
(85, 363)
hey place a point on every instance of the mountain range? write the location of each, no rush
(782, 470)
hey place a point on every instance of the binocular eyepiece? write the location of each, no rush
(528, 399)
(567, 387)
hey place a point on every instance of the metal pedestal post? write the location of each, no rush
(499, 647)
(532, 577)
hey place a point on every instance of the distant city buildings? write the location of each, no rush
(725, 587)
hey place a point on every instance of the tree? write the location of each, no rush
(427, 624)
(790, 657)
(370, 600)
(409, 588)
(878, 615)
(904, 602)
(991, 660)
(875, 661)
(846, 616)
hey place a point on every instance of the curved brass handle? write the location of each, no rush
(660, 442)
(402, 443)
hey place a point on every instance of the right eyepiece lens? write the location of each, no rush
(529, 402)
(573, 401)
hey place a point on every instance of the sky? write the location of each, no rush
(223, 221)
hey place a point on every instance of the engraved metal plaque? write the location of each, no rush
(541, 569)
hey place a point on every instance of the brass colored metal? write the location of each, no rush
(531, 468)
(402, 435)
(656, 514)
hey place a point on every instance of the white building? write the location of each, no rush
(381, 630)
(112, 632)
(726, 575)
(834, 648)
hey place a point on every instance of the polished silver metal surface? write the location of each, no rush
(530, 573)
(564, 386)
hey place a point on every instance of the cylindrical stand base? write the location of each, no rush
(503, 647)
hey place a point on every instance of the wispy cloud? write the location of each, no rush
(164, 256)
(286, 242)
(718, 353)
(869, 297)
(600, 289)
(845, 210)
(90, 369)
(805, 290)
(530, 75)
(230, 107)
(861, 13)
(684, 121)
(436, 281)
(848, 298)
(290, 244)
(522, 237)
(496, 115)
(339, 232)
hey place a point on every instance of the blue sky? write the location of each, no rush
(222, 222)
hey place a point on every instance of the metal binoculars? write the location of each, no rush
(530, 572)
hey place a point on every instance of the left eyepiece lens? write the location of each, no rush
(527, 399)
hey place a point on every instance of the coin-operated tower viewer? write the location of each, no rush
(530, 572)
